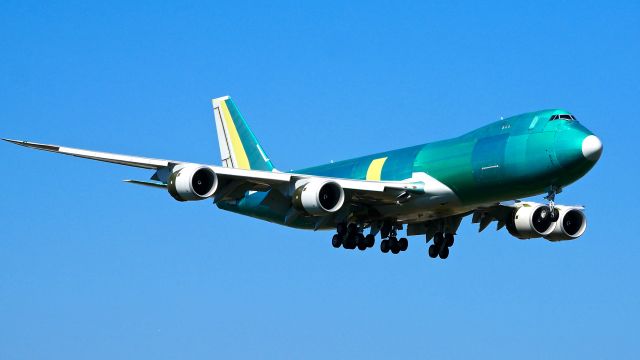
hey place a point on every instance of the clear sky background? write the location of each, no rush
(91, 267)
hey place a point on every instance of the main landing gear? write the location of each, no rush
(351, 237)
(392, 243)
(441, 244)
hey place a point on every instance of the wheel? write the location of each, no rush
(336, 241)
(361, 243)
(444, 253)
(404, 244)
(433, 251)
(352, 228)
(370, 240)
(349, 242)
(394, 245)
(438, 238)
(342, 229)
(384, 246)
(449, 239)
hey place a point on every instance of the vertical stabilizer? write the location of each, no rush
(239, 148)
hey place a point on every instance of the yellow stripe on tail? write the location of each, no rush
(238, 150)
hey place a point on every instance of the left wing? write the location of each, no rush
(237, 181)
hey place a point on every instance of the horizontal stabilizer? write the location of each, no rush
(147, 183)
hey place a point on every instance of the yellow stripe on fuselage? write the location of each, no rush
(375, 169)
(239, 154)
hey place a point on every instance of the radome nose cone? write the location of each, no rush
(592, 148)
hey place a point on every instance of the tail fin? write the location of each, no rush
(239, 148)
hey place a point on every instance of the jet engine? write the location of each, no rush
(571, 224)
(192, 182)
(319, 197)
(530, 220)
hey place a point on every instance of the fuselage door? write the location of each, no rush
(488, 159)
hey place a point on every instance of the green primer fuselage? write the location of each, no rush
(516, 157)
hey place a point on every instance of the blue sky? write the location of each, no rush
(91, 267)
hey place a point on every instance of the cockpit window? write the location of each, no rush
(562, 117)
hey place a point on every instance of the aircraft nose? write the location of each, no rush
(592, 148)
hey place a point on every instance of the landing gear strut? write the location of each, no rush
(441, 244)
(551, 196)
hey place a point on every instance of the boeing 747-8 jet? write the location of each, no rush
(426, 189)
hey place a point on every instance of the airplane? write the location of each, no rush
(427, 189)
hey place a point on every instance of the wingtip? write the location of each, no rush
(46, 147)
(13, 141)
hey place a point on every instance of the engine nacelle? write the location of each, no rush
(192, 182)
(319, 197)
(530, 220)
(571, 224)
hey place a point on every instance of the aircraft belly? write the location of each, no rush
(440, 201)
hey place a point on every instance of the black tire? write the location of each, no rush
(361, 243)
(352, 229)
(349, 242)
(394, 245)
(444, 253)
(404, 244)
(370, 240)
(336, 241)
(433, 251)
(384, 246)
(438, 238)
(449, 239)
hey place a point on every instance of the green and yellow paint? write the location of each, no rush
(516, 157)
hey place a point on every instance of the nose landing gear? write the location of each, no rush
(551, 197)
